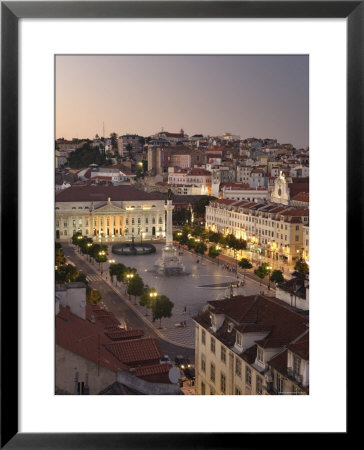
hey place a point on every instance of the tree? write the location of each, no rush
(181, 217)
(92, 296)
(301, 266)
(245, 264)
(114, 141)
(135, 286)
(66, 274)
(84, 156)
(200, 247)
(277, 276)
(200, 206)
(262, 271)
(191, 244)
(162, 307)
(60, 259)
(147, 298)
(213, 252)
(117, 270)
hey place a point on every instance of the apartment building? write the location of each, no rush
(271, 229)
(254, 345)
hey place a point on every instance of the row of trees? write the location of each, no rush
(196, 238)
(86, 245)
(67, 273)
(160, 305)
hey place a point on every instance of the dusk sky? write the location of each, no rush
(251, 96)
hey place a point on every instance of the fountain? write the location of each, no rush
(169, 263)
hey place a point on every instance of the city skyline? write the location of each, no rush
(246, 95)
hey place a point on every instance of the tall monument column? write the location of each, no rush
(170, 263)
(169, 234)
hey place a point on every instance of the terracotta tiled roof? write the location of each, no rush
(295, 188)
(301, 346)
(86, 340)
(302, 197)
(279, 362)
(115, 333)
(102, 193)
(136, 351)
(155, 369)
(261, 313)
(199, 172)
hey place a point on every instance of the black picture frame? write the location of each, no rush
(11, 12)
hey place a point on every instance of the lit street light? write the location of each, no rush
(269, 272)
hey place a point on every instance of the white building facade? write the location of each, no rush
(108, 213)
(272, 230)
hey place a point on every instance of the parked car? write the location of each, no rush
(182, 362)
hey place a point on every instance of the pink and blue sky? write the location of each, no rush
(251, 96)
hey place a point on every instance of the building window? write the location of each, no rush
(260, 357)
(126, 221)
(138, 220)
(238, 367)
(203, 388)
(203, 337)
(279, 384)
(296, 238)
(212, 346)
(237, 391)
(146, 220)
(248, 376)
(259, 385)
(212, 372)
(203, 363)
(160, 220)
(146, 229)
(73, 222)
(238, 339)
(57, 223)
(132, 221)
(296, 365)
(223, 354)
(223, 383)
(65, 224)
(153, 220)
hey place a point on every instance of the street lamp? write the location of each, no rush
(269, 272)
(129, 276)
(101, 253)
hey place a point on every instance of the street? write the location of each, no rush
(118, 306)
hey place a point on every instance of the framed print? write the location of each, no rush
(177, 193)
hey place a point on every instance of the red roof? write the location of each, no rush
(89, 193)
(260, 313)
(301, 346)
(301, 197)
(136, 351)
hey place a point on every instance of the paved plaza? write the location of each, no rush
(203, 281)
